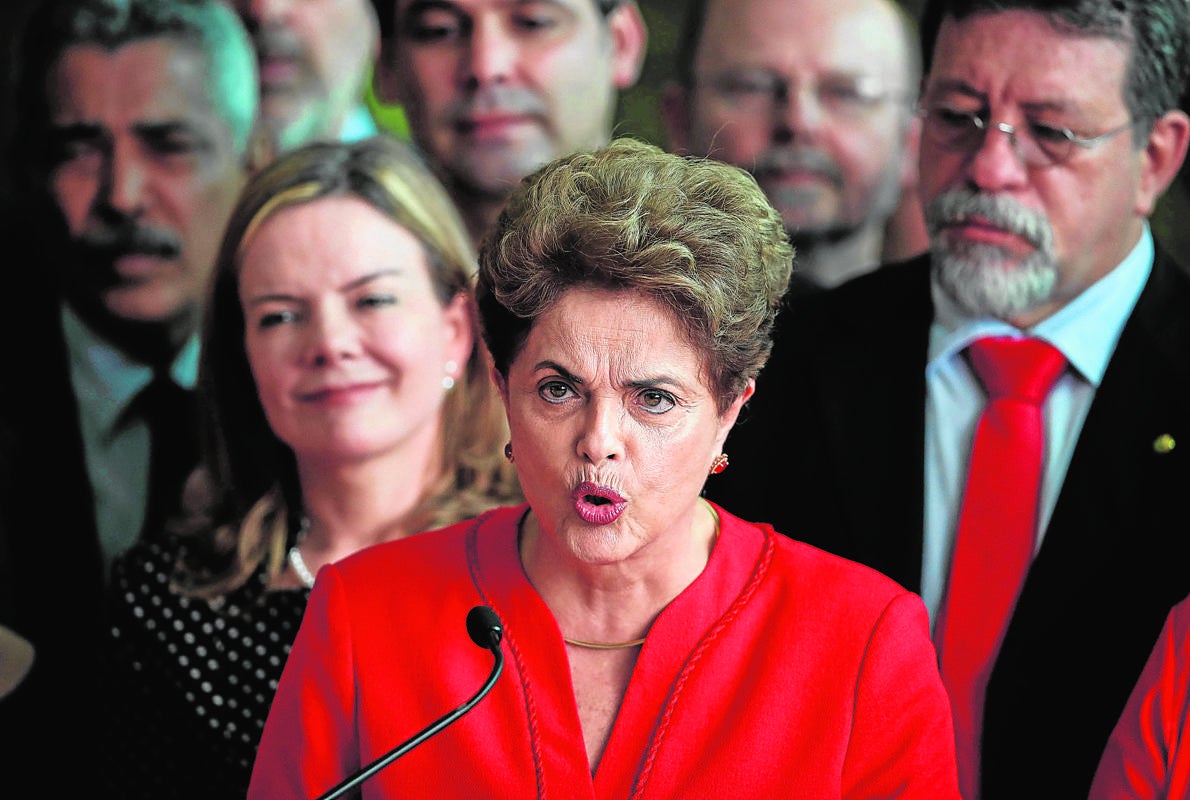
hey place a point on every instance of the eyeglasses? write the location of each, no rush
(758, 91)
(1037, 145)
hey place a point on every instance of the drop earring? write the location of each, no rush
(448, 380)
(718, 464)
(508, 452)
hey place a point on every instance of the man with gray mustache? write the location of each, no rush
(133, 134)
(494, 89)
(1040, 518)
(815, 99)
(137, 130)
(970, 271)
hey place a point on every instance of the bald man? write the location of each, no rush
(815, 98)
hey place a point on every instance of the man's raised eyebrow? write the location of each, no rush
(556, 367)
(76, 131)
(422, 6)
(962, 87)
(180, 134)
(956, 85)
(1048, 105)
(165, 127)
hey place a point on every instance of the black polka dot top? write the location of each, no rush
(190, 681)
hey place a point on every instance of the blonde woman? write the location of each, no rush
(350, 404)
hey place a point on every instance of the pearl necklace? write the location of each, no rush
(295, 556)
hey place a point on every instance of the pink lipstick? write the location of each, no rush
(597, 505)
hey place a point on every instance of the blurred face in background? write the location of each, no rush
(347, 339)
(315, 57)
(493, 89)
(145, 172)
(813, 97)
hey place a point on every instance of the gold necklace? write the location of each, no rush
(714, 516)
(640, 641)
(604, 645)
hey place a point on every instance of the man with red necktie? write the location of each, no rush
(996, 424)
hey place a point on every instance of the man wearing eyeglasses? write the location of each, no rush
(814, 98)
(1004, 424)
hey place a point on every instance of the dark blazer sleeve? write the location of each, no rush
(1113, 562)
(830, 450)
(49, 552)
(832, 453)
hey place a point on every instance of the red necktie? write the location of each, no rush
(996, 531)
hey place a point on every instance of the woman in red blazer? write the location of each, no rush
(656, 645)
(1148, 754)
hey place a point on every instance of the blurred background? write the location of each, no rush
(639, 112)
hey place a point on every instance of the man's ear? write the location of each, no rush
(1161, 158)
(675, 114)
(630, 38)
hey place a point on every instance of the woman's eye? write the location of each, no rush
(555, 391)
(655, 401)
(377, 301)
(275, 318)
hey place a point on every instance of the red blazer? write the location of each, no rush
(780, 671)
(1148, 754)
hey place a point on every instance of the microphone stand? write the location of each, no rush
(495, 633)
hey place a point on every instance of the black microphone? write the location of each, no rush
(485, 629)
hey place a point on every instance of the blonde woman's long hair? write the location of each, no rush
(248, 508)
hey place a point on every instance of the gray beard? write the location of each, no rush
(985, 280)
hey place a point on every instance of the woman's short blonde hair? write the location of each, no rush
(698, 236)
(254, 508)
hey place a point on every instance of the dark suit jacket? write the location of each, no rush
(51, 582)
(832, 452)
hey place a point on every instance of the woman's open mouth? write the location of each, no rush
(597, 505)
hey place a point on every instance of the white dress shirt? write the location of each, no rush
(1085, 331)
(105, 381)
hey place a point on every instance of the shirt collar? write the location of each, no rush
(106, 379)
(357, 125)
(1085, 330)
